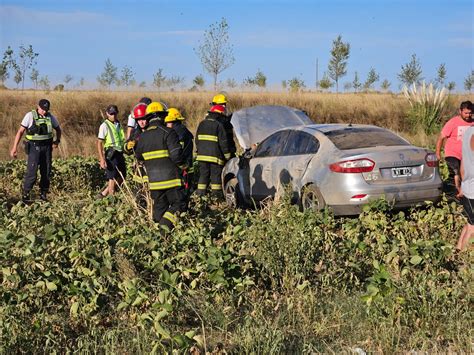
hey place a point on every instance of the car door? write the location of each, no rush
(261, 165)
(294, 158)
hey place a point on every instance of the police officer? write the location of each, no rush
(162, 154)
(175, 120)
(212, 151)
(38, 125)
(110, 141)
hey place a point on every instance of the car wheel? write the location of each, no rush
(311, 198)
(232, 194)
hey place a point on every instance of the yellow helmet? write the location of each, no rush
(173, 115)
(154, 107)
(219, 99)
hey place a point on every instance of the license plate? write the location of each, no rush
(401, 172)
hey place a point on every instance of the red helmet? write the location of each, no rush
(139, 111)
(217, 108)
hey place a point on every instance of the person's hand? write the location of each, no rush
(103, 164)
(13, 153)
(130, 145)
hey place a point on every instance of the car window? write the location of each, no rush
(272, 146)
(364, 137)
(300, 143)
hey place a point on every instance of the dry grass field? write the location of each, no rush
(79, 112)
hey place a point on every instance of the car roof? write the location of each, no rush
(331, 127)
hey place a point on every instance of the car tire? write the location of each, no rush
(232, 193)
(311, 198)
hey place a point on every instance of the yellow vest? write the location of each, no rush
(115, 137)
(44, 128)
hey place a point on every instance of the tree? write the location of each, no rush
(469, 81)
(451, 85)
(259, 80)
(142, 84)
(159, 79)
(411, 72)
(284, 84)
(109, 75)
(8, 61)
(82, 81)
(338, 62)
(44, 83)
(128, 76)
(385, 85)
(296, 84)
(356, 84)
(198, 81)
(441, 75)
(34, 75)
(173, 81)
(26, 60)
(18, 78)
(231, 83)
(347, 86)
(325, 83)
(215, 51)
(67, 79)
(372, 78)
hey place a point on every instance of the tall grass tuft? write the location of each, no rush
(427, 105)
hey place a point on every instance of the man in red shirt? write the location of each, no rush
(452, 134)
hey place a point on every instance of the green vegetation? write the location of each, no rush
(86, 275)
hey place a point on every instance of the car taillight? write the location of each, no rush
(353, 166)
(431, 160)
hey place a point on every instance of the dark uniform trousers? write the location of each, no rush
(39, 154)
(167, 204)
(209, 172)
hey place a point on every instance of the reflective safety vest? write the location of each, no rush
(115, 137)
(44, 128)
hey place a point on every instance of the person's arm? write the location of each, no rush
(58, 137)
(129, 132)
(16, 141)
(223, 143)
(100, 150)
(174, 148)
(439, 145)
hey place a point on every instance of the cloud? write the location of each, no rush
(466, 42)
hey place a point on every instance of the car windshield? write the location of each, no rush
(363, 137)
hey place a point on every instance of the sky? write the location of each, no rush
(282, 38)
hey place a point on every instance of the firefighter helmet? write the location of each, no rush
(219, 99)
(154, 107)
(173, 115)
(139, 111)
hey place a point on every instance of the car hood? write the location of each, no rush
(253, 124)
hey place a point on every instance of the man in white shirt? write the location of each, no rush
(38, 125)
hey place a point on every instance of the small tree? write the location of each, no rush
(34, 75)
(18, 78)
(385, 85)
(199, 81)
(109, 75)
(441, 75)
(296, 84)
(215, 51)
(26, 60)
(411, 72)
(347, 86)
(231, 83)
(284, 84)
(372, 78)
(82, 81)
(325, 83)
(159, 79)
(44, 83)
(128, 76)
(338, 62)
(67, 79)
(142, 84)
(469, 81)
(259, 80)
(173, 81)
(8, 62)
(451, 85)
(356, 84)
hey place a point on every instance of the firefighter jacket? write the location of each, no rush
(186, 141)
(211, 140)
(134, 136)
(159, 148)
(229, 130)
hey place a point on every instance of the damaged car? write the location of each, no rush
(338, 166)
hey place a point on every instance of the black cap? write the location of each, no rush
(145, 100)
(44, 104)
(112, 110)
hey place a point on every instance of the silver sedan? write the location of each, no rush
(340, 166)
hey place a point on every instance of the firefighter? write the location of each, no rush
(110, 141)
(139, 115)
(212, 150)
(221, 99)
(175, 120)
(131, 122)
(162, 154)
(38, 125)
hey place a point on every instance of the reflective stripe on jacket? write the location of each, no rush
(211, 141)
(44, 128)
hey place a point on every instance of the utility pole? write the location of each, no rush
(317, 73)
